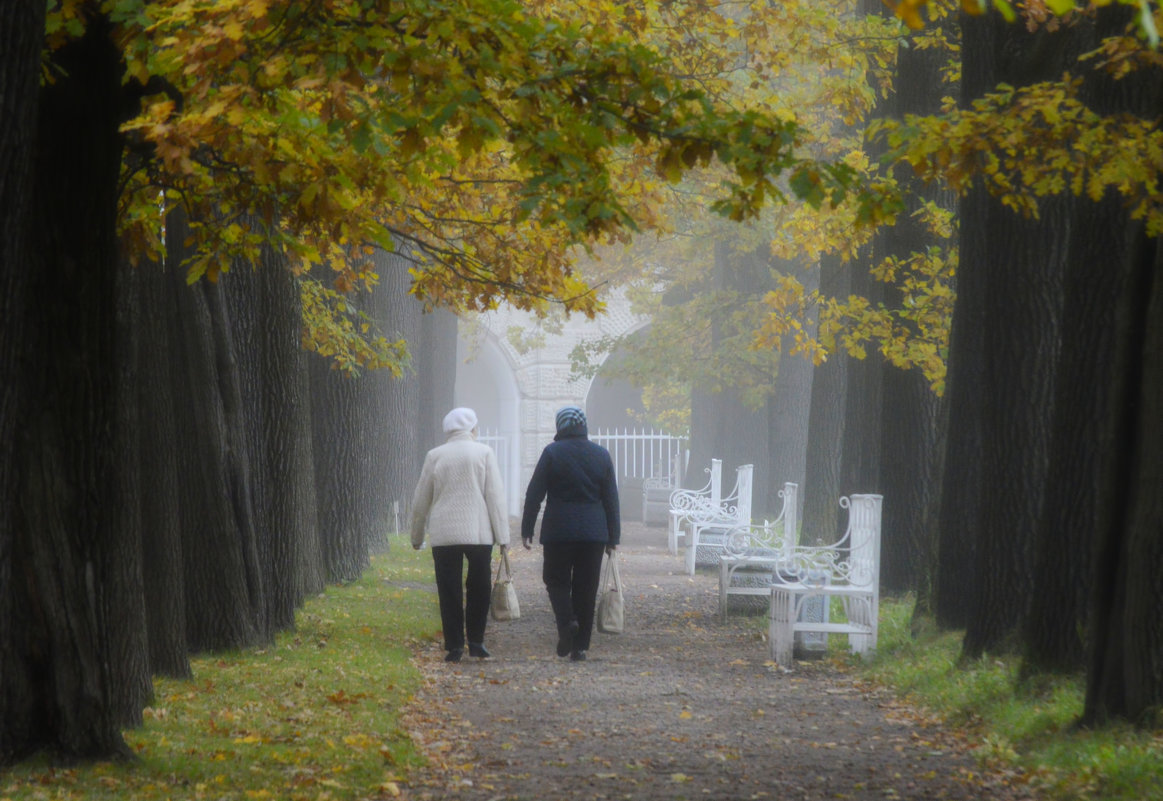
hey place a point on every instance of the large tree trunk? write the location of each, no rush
(740, 428)
(1023, 262)
(158, 388)
(1125, 678)
(58, 680)
(22, 21)
(959, 513)
(1105, 247)
(788, 411)
(265, 313)
(914, 416)
(406, 422)
(223, 582)
(723, 426)
(821, 493)
(124, 599)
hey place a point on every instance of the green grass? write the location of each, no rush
(1028, 725)
(315, 715)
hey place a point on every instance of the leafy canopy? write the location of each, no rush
(471, 134)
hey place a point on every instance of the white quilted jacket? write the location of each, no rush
(460, 498)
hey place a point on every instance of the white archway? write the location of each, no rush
(518, 390)
(485, 382)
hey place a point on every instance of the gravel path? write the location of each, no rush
(679, 707)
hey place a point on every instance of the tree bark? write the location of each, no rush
(789, 410)
(406, 423)
(158, 386)
(223, 584)
(23, 24)
(1125, 677)
(821, 493)
(58, 679)
(265, 313)
(1023, 263)
(913, 420)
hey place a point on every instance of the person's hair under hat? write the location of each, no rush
(461, 418)
(569, 416)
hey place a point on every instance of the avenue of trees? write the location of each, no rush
(990, 363)
(233, 232)
(223, 225)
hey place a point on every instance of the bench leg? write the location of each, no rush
(781, 626)
(724, 581)
(692, 545)
(859, 611)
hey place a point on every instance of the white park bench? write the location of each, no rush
(848, 569)
(708, 527)
(685, 502)
(752, 554)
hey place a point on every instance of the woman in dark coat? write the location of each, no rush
(576, 479)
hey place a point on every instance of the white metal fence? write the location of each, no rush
(638, 453)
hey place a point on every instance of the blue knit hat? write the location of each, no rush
(568, 416)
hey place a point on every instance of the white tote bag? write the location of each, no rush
(611, 604)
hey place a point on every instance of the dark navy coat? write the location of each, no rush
(577, 477)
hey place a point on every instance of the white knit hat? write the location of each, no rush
(461, 418)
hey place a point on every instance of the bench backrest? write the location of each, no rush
(716, 484)
(854, 559)
(743, 478)
(775, 538)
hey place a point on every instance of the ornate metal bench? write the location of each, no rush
(684, 503)
(848, 569)
(752, 554)
(709, 527)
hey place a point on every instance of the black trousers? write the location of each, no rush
(572, 572)
(464, 608)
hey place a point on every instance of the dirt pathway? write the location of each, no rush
(679, 707)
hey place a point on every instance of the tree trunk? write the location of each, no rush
(223, 584)
(1023, 263)
(341, 466)
(1105, 246)
(22, 21)
(407, 422)
(821, 493)
(913, 421)
(124, 601)
(158, 386)
(265, 313)
(58, 680)
(789, 410)
(1125, 678)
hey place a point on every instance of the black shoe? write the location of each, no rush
(565, 637)
(577, 656)
(478, 650)
(454, 655)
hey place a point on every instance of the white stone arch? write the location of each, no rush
(596, 384)
(540, 373)
(486, 382)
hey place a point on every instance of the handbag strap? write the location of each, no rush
(504, 562)
(611, 572)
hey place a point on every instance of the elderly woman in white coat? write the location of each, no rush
(460, 502)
